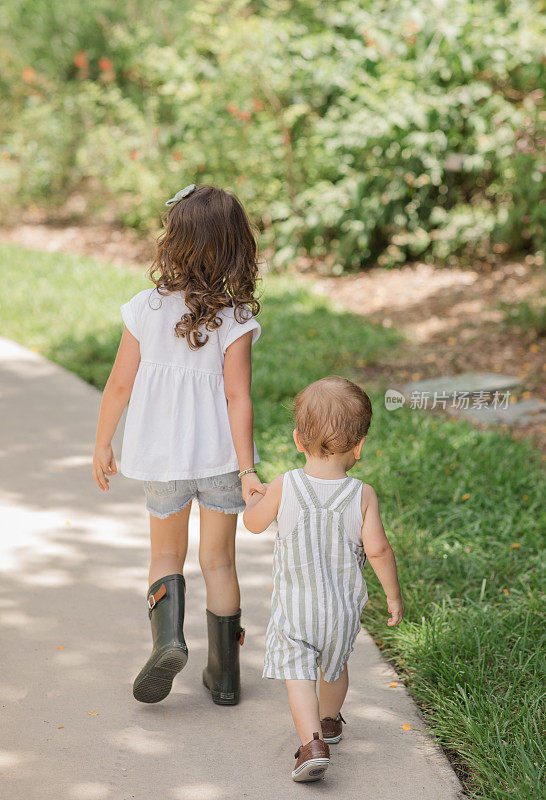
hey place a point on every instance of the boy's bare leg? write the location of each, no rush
(168, 544)
(332, 695)
(302, 697)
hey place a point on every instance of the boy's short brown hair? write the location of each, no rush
(332, 415)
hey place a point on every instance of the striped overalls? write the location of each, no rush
(318, 587)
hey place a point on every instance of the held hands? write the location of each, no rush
(104, 464)
(251, 484)
(396, 608)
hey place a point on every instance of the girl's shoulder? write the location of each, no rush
(235, 323)
(141, 298)
(132, 311)
(233, 314)
(153, 299)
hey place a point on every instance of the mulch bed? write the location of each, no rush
(452, 324)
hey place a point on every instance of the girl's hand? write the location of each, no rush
(104, 464)
(250, 485)
(396, 608)
(263, 506)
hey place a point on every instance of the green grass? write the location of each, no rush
(527, 315)
(472, 644)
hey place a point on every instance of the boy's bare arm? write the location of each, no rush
(261, 510)
(380, 554)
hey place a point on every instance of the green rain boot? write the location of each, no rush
(170, 653)
(222, 674)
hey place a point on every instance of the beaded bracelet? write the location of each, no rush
(246, 471)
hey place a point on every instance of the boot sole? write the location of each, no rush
(312, 770)
(157, 681)
(334, 739)
(222, 698)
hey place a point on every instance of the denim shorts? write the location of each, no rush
(216, 493)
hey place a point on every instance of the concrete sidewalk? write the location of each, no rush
(75, 632)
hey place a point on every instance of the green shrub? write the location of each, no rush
(355, 132)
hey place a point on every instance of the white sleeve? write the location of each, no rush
(129, 316)
(238, 329)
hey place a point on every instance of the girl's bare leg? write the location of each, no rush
(332, 695)
(303, 701)
(217, 561)
(169, 544)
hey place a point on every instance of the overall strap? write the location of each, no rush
(350, 488)
(336, 502)
(303, 490)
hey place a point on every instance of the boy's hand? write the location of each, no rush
(251, 484)
(104, 464)
(396, 608)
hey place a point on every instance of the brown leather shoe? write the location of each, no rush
(331, 729)
(312, 760)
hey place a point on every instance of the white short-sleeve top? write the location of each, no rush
(177, 425)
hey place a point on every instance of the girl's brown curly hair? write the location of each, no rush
(208, 251)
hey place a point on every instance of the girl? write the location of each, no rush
(184, 361)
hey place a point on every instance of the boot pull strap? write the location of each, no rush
(154, 598)
(241, 636)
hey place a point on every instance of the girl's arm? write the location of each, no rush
(380, 554)
(237, 380)
(261, 510)
(114, 399)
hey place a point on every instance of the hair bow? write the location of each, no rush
(182, 193)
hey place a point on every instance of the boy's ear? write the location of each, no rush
(297, 442)
(358, 449)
